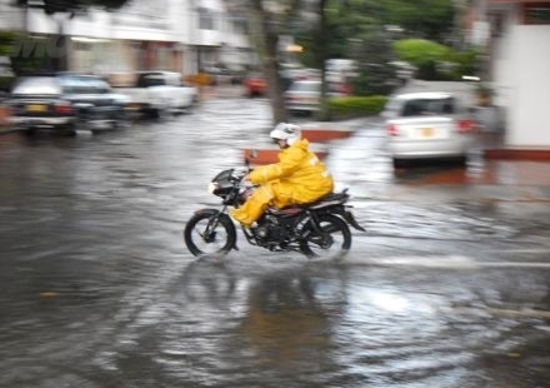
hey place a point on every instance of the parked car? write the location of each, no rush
(159, 92)
(64, 101)
(428, 125)
(254, 85)
(303, 96)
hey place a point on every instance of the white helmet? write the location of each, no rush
(291, 133)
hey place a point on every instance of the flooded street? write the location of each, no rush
(449, 286)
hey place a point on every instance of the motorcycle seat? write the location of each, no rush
(328, 200)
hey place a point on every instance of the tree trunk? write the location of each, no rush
(61, 60)
(267, 44)
(322, 38)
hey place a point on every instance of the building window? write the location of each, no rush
(240, 26)
(536, 13)
(206, 19)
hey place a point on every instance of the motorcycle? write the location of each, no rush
(314, 229)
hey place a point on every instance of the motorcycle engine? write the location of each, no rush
(270, 232)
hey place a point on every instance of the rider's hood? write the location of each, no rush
(302, 144)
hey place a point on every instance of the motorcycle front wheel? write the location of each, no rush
(204, 236)
(332, 239)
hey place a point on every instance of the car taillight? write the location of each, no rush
(392, 130)
(63, 108)
(465, 126)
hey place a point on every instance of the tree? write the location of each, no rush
(429, 19)
(420, 51)
(435, 61)
(355, 30)
(268, 21)
(374, 56)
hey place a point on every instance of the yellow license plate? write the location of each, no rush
(427, 132)
(36, 108)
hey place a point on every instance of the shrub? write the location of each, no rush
(356, 106)
(436, 62)
(420, 51)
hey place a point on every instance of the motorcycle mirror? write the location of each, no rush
(251, 154)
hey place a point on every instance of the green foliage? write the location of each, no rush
(420, 52)
(357, 29)
(356, 106)
(6, 42)
(435, 61)
(465, 62)
(429, 19)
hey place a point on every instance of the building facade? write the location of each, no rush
(174, 35)
(516, 34)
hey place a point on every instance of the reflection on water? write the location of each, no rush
(288, 322)
(98, 290)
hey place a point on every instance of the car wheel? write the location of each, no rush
(462, 160)
(121, 121)
(68, 130)
(399, 163)
(30, 131)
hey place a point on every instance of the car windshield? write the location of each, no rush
(37, 86)
(150, 79)
(306, 87)
(429, 106)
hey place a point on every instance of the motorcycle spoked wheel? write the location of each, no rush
(219, 241)
(333, 242)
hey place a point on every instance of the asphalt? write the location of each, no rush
(100, 291)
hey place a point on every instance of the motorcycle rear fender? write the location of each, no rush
(346, 215)
(213, 212)
(349, 217)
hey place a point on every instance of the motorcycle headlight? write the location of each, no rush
(212, 187)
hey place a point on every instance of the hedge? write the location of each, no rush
(356, 106)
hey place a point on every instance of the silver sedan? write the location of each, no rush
(427, 125)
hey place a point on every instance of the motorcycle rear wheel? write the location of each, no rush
(334, 240)
(218, 241)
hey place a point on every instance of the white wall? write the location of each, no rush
(529, 72)
(11, 17)
(136, 21)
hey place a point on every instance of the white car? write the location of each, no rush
(428, 125)
(304, 95)
(159, 92)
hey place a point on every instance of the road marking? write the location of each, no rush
(449, 262)
(516, 264)
(507, 312)
(527, 250)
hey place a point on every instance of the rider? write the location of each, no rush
(299, 177)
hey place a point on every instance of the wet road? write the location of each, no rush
(444, 290)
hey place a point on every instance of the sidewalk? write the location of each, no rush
(4, 127)
(362, 163)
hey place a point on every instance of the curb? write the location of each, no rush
(320, 135)
(518, 154)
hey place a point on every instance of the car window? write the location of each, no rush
(306, 87)
(429, 106)
(150, 79)
(69, 86)
(100, 86)
(392, 108)
(37, 86)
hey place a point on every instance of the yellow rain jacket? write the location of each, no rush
(299, 177)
